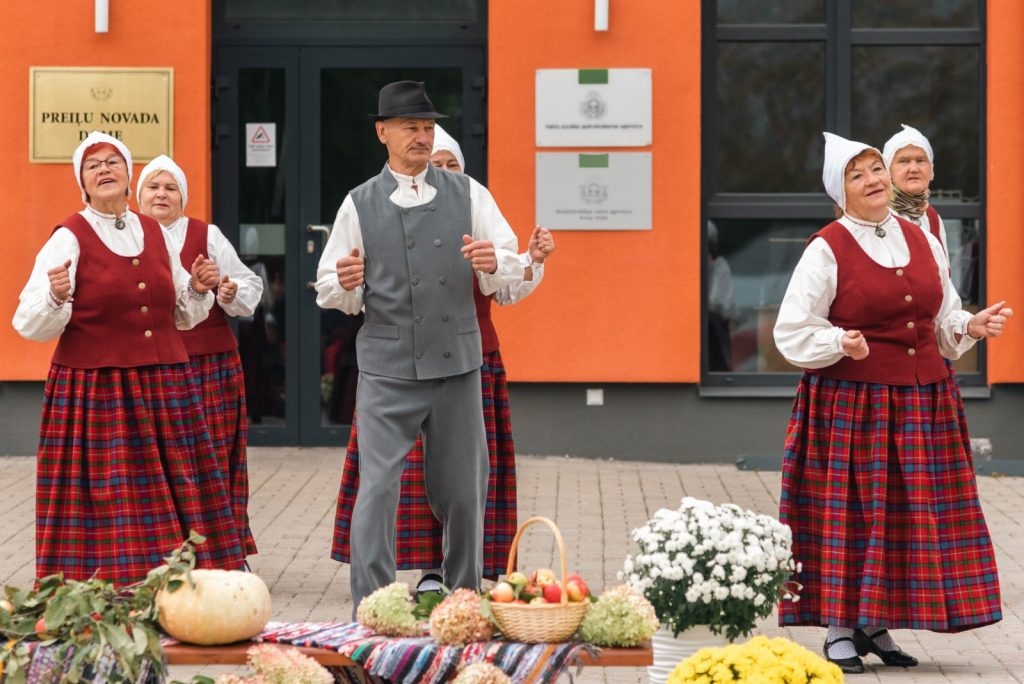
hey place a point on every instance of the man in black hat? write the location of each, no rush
(407, 247)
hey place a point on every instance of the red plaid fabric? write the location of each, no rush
(125, 469)
(222, 383)
(879, 488)
(418, 533)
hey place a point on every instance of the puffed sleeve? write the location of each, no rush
(346, 235)
(250, 286)
(37, 318)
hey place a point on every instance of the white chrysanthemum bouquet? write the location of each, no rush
(721, 566)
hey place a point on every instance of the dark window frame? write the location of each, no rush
(839, 37)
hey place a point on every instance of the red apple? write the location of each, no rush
(576, 588)
(553, 593)
(503, 592)
(531, 591)
(543, 576)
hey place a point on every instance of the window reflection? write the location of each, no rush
(941, 96)
(789, 12)
(916, 14)
(767, 91)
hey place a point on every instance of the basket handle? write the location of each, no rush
(514, 549)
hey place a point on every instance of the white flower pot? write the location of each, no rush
(671, 650)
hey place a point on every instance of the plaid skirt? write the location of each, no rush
(878, 486)
(418, 533)
(222, 383)
(125, 468)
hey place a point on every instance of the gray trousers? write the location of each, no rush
(392, 412)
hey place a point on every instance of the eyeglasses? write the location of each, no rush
(112, 163)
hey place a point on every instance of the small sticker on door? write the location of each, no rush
(261, 144)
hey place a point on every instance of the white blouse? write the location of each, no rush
(40, 320)
(803, 333)
(218, 248)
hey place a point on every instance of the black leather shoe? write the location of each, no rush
(865, 644)
(851, 665)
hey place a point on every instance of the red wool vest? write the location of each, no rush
(123, 311)
(488, 335)
(894, 308)
(213, 335)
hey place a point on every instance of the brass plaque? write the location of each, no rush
(135, 105)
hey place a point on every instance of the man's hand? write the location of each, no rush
(480, 254)
(855, 345)
(351, 270)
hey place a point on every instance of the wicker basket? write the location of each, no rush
(544, 623)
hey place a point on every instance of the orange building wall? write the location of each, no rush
(615, 306)
(1005, 178)
(36, 196)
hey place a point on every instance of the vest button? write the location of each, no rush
(447, 355)
(444, 318)
(415, 281)
(419, 355)
(142, 286)
(145, 309)
(135, 262)
(441, 280)
(911, 351)
(418, 319)
(410, 244)
(910, 324)
(437, 243)
(899, 271)
(909, 298)
(149, 333)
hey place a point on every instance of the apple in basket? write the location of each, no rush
(543, 576)
(503, 592)
(516, 579)
(576, 588)
(531, 592)
(553, 592)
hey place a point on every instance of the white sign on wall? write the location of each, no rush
(593, 107)
(606, 191)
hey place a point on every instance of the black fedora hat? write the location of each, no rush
(405, 99)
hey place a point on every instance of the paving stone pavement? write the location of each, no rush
(596, 504)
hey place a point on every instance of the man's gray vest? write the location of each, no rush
(420, 317)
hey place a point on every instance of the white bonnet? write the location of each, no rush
(164, 163)
(838, 153)
(443, 141)
(908, 136)
(97, 138)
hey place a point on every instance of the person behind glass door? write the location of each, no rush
(212, 348)
(408, 246)
(721, 305)
(878, 485)
(126, 467)
(419, 534)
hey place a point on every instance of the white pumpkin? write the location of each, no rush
(223, 607)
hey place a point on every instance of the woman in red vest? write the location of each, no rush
(878, 484)
(418, 533)
(212, 348)
(126, 467)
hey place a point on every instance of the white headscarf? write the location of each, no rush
(164, 163)
(838, 153)
(97, 138)
(443, 141)
(908, 136)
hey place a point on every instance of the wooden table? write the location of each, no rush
(235, 654)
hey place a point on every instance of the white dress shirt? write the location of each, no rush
(803, 333)
(218, 248)
(39, 319)
(487, 224)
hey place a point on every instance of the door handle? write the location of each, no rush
(314, 228)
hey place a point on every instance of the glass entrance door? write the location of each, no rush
(293, 136)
